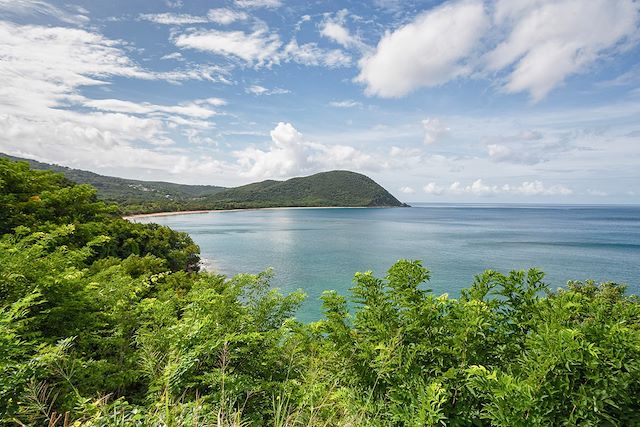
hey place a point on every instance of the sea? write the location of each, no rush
(317, 249)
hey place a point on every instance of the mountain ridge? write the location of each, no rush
(324, 189)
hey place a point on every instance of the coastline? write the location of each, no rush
(205, 211)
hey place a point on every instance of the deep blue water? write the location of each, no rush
(319, 249)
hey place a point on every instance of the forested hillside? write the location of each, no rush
(130, 194)
(109, 323)
(334, 188)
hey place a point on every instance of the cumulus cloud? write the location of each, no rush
(431, 50)
(335, 29)
(338, 33)
(433, 188)
(480, 188)
(290, 154)
(547, 41)
(407, 190)
(538, 188)
(530, 46)
(434, 130)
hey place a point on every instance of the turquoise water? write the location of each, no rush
(318, 249)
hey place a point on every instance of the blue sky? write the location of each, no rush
(468, 101)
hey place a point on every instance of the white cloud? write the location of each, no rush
(225, 16)
(45, 69)
(481, 189)
(192, 109)
(173, 18)
(287, 155)
(259, 3)
(44, 66)
(347, 103)
(529, 46)
(429, 51)
(499, 152)
(257, 90)
(176, 56)
(407, 190)
(259, 48)
(337, 33)
(432, 188)
(41, 8)
(548, 40)
(434, 130)
(335, 29)
(222, 16)
(261, 90)
(211, 101)
(538, 188)
(211, 73)
(292, 154)
(311, 55)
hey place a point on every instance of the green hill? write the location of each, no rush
(335, 188)
(127, 191)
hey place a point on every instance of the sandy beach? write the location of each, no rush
(171, 213)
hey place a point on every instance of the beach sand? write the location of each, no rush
(171, 213)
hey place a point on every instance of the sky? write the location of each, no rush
(521, 101)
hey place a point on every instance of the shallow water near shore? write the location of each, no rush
(320, 249)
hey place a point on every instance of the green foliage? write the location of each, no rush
(503, 354)
(108, 323)
(133, 330)
(33, 198)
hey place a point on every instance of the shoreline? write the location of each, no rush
(205, 211)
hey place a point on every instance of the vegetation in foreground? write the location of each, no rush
(334, 188)
(108, 323)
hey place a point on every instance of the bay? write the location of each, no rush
(320, 249)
